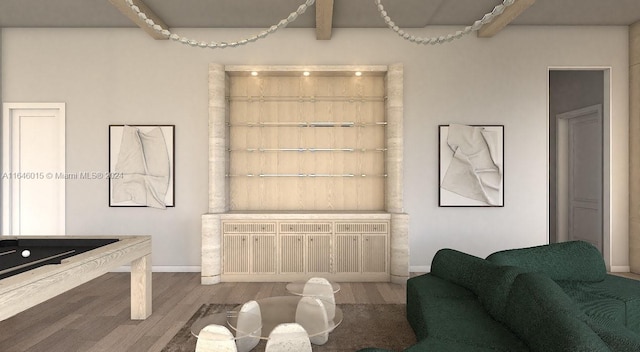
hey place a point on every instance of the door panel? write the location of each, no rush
(585, 178)
(318, 253)
(33, 169)
(263, 259)
(374, 253)
(292, 253)
(235, 254)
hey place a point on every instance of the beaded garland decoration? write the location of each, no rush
(488, 17)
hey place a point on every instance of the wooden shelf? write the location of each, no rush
(309, 124)
(311, 150)
(306, 175)
(305, 99)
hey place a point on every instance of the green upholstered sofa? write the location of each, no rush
(557, 297)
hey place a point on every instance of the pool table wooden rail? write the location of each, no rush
(25, 290)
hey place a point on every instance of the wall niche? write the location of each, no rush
(317, 149)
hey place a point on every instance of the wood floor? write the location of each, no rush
(95, 316)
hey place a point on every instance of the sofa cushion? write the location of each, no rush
(424, 288)
(428, 285)
(575, 260)
(620, 289)
(594, 304)
(541, 314)
(439, 345)
(442, 309)
(466, 322)
(489, 281)
(494, 288)
(617, 337)
(460, 268)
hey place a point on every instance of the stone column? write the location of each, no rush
(1, 109)
(394, 189)
(217, 139)
(399, 248)
(394, 139)
(211, 266)
(634, 147)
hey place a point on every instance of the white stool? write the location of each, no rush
(215, 338)
(249, 326)
(288, 337)
(312, 314)
(321, 288)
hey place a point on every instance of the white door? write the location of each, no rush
(585, 174)
(33, 166)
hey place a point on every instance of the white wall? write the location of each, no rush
(114, 76)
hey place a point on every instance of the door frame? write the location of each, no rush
(8, 147)
(607, 190)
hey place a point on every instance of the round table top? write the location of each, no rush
(297, 287)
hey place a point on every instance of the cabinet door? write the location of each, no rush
(292, 253)
(347, 257)
(263, 254)
(235, 254)
(374, 254)
(318, 253)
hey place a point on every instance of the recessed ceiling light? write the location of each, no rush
(254, 73)
(306, 73)
(358, 73)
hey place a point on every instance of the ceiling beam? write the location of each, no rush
(122, 6)
(324, 19)
(510, 13)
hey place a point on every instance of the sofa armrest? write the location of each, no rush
(574, 261)
(542, 315)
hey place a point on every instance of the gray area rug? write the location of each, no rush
(364, 325)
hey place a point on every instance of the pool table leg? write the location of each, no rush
(141, 288)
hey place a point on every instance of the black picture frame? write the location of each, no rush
(115, 137)
(493, 135)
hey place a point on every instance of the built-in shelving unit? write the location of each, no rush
(302, 133)
(295, 162)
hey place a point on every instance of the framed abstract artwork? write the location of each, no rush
(471, 166)
(142, 166)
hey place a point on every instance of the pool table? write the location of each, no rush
(35, 269)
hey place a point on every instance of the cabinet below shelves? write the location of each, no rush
(341, 249)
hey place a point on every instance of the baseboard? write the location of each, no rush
(620, 269)
(420, 268)
(164, 269)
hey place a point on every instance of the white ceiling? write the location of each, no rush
(347, 13)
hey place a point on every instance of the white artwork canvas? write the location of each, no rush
(141, 166)
(471, 170)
